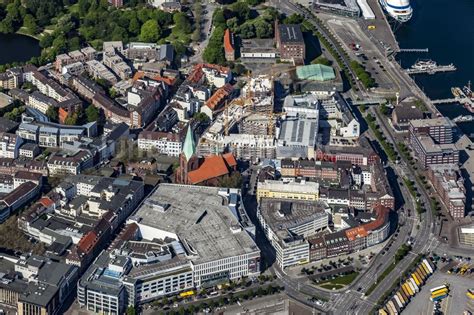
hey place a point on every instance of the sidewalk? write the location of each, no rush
(295, 272)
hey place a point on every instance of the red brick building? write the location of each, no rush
(290, 42)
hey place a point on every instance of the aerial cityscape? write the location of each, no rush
(236, 157)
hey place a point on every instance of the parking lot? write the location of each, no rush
(457, 301)
(349, 32)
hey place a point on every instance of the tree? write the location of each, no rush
(72, 119)
(214, 52)
(134, 26)
(219, 19)
(29, 22)
(322, 61)
(232, 181)
(181, 24)
(294, 19)
(131, 310)
(150, 31)
(241, 10)
(263, 29)
(247, 30)
(92, 113)
(52, 113)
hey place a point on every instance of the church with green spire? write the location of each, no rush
(202, 170)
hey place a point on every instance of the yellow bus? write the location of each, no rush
(439, 292)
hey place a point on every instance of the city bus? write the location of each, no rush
(438, 288)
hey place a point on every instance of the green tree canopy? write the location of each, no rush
(150, 31)
(92, 113)
(52, 113)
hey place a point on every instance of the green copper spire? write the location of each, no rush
(189, 147)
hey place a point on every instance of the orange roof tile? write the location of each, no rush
(228, 47)
(382, 217)
(87, 242)
(216, 98)
(46, 202)
(230, 159)
(212, 167)
(356, 232)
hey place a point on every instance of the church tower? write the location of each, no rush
(188, 161)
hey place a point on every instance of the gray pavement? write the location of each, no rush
(456, 303)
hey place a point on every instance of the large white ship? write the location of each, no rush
(400, 10)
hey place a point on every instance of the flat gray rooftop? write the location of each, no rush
(198, 215)
(283, 214)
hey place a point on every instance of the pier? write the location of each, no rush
(450, 101)
(414, 50)
(465, 118)
(433, 70)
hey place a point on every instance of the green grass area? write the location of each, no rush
(330, 286)
(339, 282)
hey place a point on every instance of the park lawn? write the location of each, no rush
(339, 282)
(332, 286)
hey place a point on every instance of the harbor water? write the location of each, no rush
(446, 28)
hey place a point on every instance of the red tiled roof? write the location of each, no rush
(168, 81)
(46, 202)
(87, 242)
(382, 217)
(228, 42)
(230, 159)
(212, 167)
(218, 96)
(356, 232)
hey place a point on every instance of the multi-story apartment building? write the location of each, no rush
(439, 129)
(449, 184)
(42, 286)
(41, 102)
(287, 223)
(10, 145)
(288, 189)
(166, 143)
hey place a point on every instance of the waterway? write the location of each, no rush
(446, 28)
(19, 48)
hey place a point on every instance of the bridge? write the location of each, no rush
(432, 70)
(413, 50)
